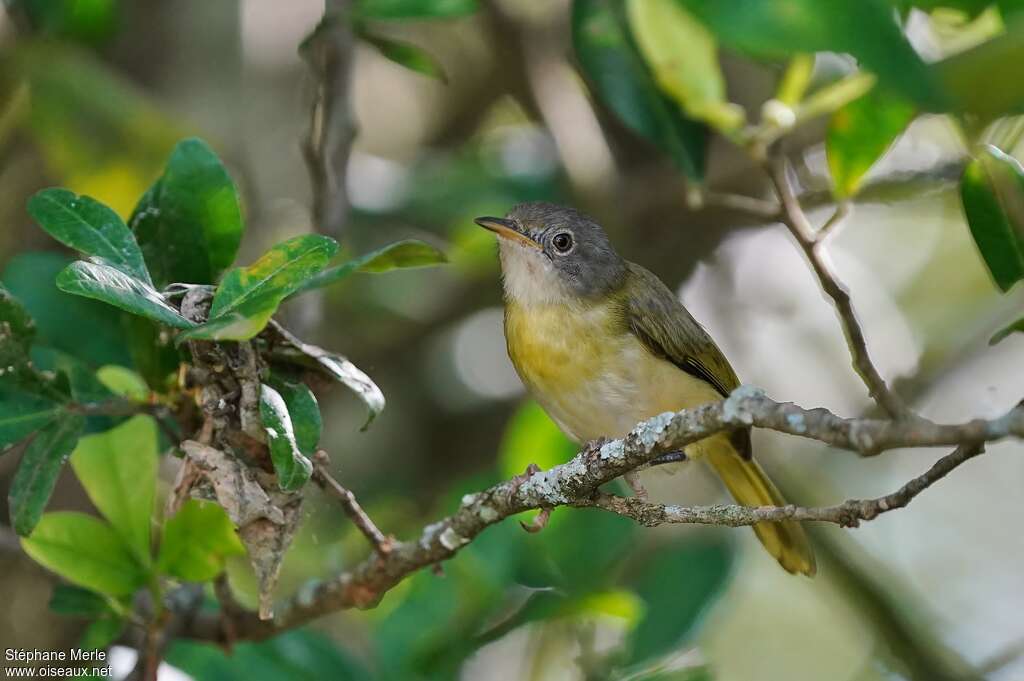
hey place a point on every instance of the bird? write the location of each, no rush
(602, 344)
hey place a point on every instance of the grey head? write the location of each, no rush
(549, 252)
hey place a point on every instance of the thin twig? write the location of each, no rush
(321, 473)
(329, 53)
(847, 514)
(758, 208)
(796, 221)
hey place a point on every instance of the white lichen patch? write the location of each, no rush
(546, 486)
(613, 451)
(488, 514)
(649, 432)
(797, 423)
(468, 499)
(734, 410)
(451, 540)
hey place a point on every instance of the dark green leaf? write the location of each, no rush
(867, 29)
(248, 296)
(79, 381)
(83, 328)
(85, 551)
(348, 373)
(619, 77)
(195, 542)
(113, 287)
(969, 76)
(189, 223)
(860, 133)
(304, 412)
(101, 633)
(21, 414)
(1016, 327)
(118, 471)
(292, 467)
(89, 227)
(77, 602)
(16, 327)
(38, 470)
(992, 191)
(153, 353)
(683, 57)
(92, 23)
(413, 9)
(399, 255)
(293, 655)
(677, 584)
(405, 54)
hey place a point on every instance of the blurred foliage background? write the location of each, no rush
(95, 93)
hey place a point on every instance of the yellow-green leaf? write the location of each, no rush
(196, 541)
(683, 56)
(85, 551)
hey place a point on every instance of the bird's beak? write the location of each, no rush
(509, 230)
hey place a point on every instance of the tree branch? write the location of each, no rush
(329, 51)
(794, 218)
(321, 474)
(579, 480)
(847, 514)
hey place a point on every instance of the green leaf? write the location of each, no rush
(968, 77)
(775, 29)
(249, 296)
(196, 541)
(85, 551)
(152, 349)
(992, 192)
(89, 227)
(113, 287)
(294, 655)
(413, 9)
(21, 414)
(189, 223)
(38, 470)
(677, 584)
(16, 326)
(399, 255)
(86, 329)
(620, 79)
(118, 471)
(352, 376)
(123, 382)
(303, 410)
(683, 57)
(1017, 326)
(860, 133)
(405, 54)
(75, 601)
(293, 469)
(102, 632)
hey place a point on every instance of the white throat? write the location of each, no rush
(528, 276)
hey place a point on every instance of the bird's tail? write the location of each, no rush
(750, 486)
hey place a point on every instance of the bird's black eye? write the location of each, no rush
(562, 242)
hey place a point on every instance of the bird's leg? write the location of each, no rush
(676, 456)
(518, 481)
(633, 480)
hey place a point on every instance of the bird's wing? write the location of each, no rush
(667, 330)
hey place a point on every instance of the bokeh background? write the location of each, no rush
(95, 94)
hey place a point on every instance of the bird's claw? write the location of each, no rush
(539, 522)
(633, 480)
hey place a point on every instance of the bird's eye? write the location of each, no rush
(562, 242)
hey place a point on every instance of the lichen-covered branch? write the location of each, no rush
(847, 514)
(578, 482)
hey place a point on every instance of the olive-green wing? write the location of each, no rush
(668, 331)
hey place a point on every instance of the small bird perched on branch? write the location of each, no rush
(603, 344)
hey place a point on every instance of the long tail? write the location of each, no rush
(750, 486)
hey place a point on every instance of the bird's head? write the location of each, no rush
(550, 253)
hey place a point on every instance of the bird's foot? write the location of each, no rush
(518, 481)
(633, 480)
(676, 456)
(539, 522)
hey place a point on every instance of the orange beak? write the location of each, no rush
(507, 229)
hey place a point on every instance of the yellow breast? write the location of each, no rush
(592, 376)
